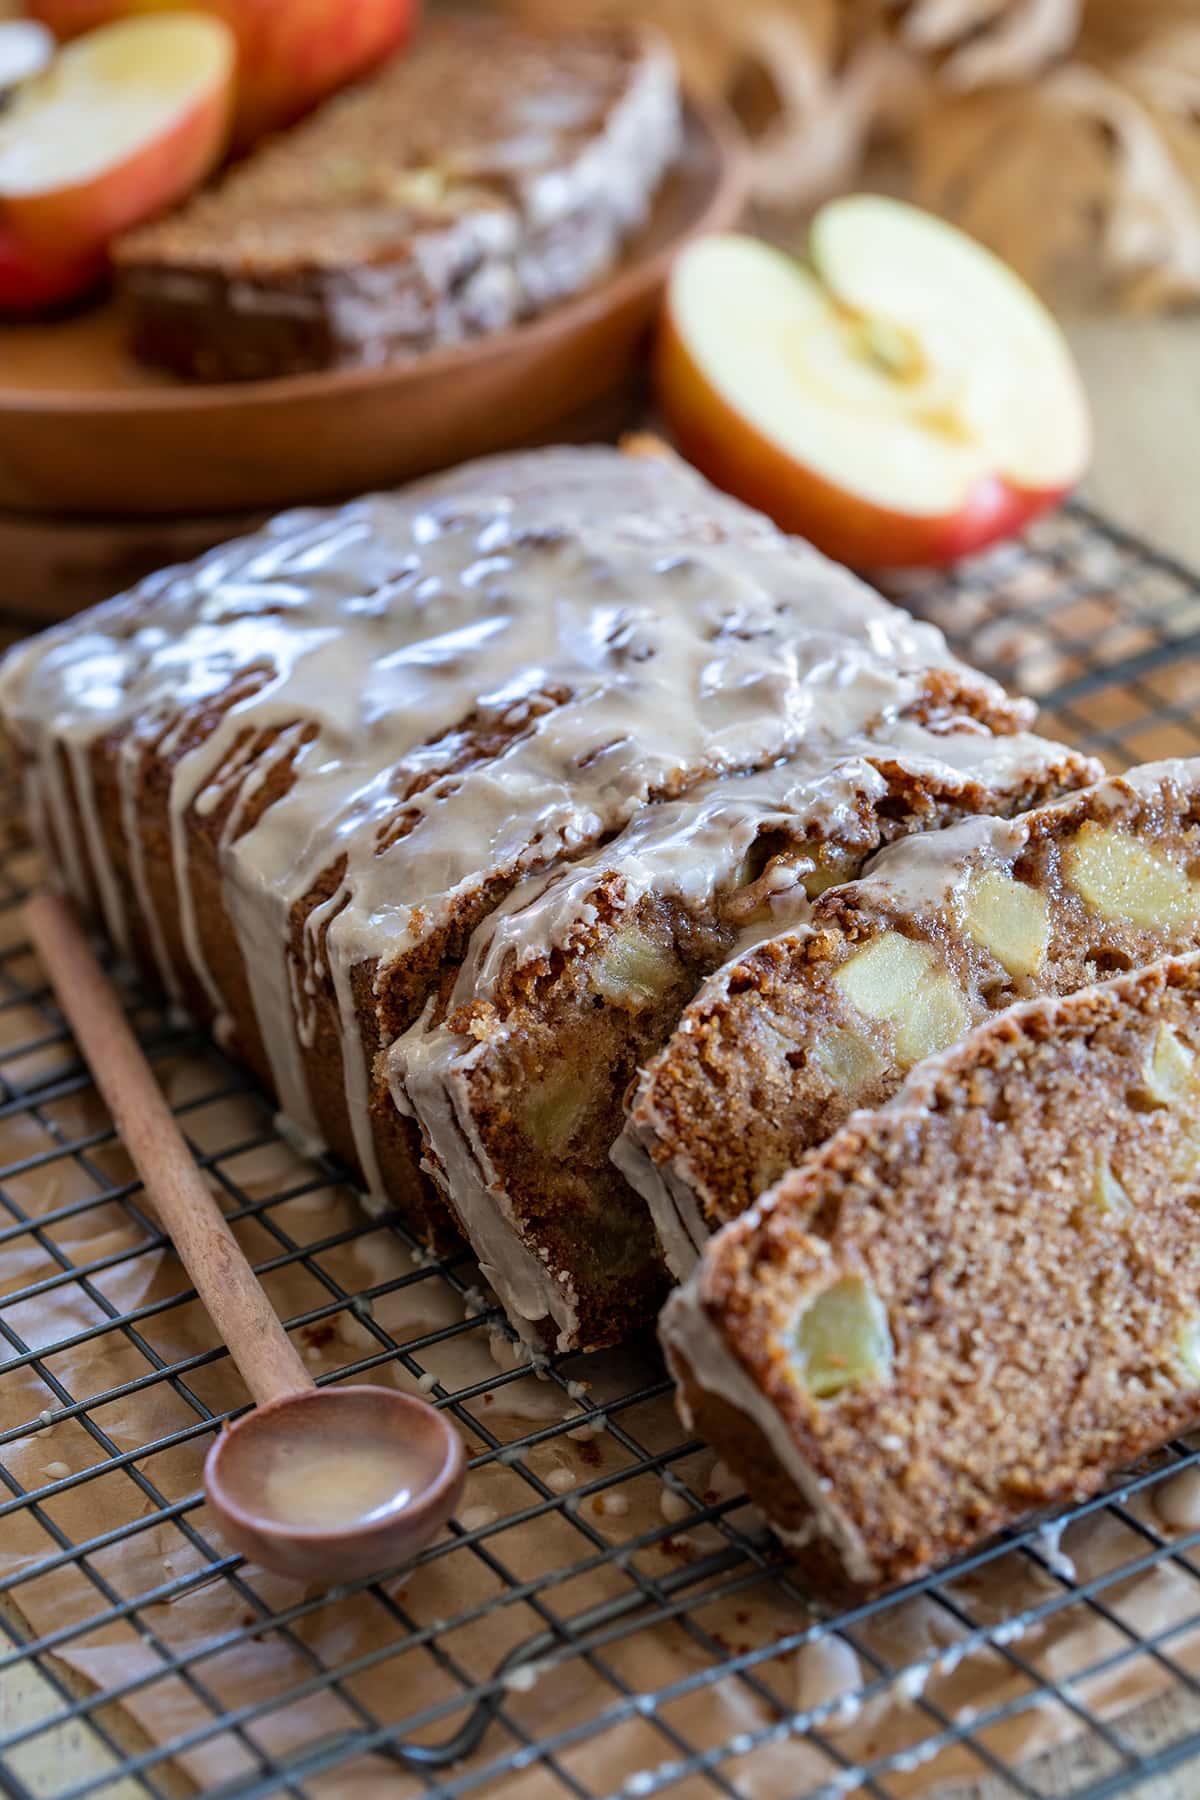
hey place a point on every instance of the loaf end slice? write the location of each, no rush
(975, 1303)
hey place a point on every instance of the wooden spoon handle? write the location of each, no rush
(236, 1303)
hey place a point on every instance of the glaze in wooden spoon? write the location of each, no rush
(325, 1484)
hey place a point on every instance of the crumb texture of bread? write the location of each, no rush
(976, 1302)
(579, 976)
(474, 181)
(941, 930)
(297, 779)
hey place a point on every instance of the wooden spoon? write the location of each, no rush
(326, 1484)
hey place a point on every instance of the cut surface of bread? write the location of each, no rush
(785, 1041)
(518, 1082)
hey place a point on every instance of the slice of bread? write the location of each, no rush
(979, 1301)
(471, 183)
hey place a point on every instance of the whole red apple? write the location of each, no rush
(291, 53)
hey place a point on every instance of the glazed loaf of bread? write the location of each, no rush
(295, 779)
(981, 1300)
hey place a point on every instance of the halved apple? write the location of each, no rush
(124, 122)
(291, 53)
(904, 399)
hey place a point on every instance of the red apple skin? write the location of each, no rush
(72, 222)
(734, 454)
(28, 285)
(291, 53)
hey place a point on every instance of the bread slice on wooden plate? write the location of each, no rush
(471, 183)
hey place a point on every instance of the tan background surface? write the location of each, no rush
(1144, 378)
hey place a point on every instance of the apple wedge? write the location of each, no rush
(124, 122)
(291, 53)
(905, 399)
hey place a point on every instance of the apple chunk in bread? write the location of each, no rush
(1009, 919)
(1116, 876)
(1170, 1072)
(552, 1110)
(124, 122)
(634, 968)
(846, 1059)
(1106, 1198)
(1188, 1345)
(842, 1339)
(903, 398)
(900, 982)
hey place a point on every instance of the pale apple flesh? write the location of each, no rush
(905, 401)
(125, 122)
(291, 53)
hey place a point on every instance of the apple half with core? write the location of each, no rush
(123, 123)
(902, 399)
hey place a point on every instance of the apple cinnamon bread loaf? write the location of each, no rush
(979, 1301)
(475, 181)
(293, 778)
(782, 1044)
(517, 1078)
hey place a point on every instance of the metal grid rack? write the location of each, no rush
(605, 1616)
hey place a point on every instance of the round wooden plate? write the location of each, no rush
(85, 431)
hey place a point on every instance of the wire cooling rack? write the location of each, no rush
(606, 1616)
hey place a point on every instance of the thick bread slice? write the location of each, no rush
(982, 1300)
(474, 181)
